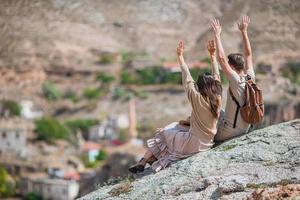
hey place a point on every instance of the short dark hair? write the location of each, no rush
(237, 61)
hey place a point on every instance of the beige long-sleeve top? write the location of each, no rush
(203, 122)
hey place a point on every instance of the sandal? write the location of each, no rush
(137, 167)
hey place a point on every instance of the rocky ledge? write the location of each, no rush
(264, 164)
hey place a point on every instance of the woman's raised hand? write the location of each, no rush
(211, 47)
(243, 25)
(216, 27)
(180, 49)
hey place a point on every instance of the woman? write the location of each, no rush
(177, 141)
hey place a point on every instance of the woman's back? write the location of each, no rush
(203, 122)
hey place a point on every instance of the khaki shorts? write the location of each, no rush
(226, 130)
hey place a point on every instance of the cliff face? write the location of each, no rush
(265, 163)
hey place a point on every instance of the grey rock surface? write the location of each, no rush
(232, 170)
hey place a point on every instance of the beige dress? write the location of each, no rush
(176, 142)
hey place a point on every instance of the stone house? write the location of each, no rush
(49, 188)
(28, 112)
(108, 129)
(12, 138)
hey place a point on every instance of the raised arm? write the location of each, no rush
(216, 27)
(186, 75)
(211, 47)
(243, 26)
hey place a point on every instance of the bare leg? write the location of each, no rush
(140, 165)
(146, 157)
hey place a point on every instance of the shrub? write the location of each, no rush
(156, 75)
(174, 78)
(292, 71)
(49, 129)
(90, 106)
(141, 94)
(7, 188)
(12, 107)
(33, 196)
(102, 155)
(126, 56)
(106, 58)
(105, 78)
(92, 93)
(70, 94)
(50, 91)
(121, 93)
(150, 75)
(81, 124)
(86, 162)
(128, 77)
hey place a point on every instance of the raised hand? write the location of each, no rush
(211, 47)
(243, 25)
(216, 27)
(180, 49)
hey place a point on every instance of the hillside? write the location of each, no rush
(263, 163)
(62, 41)
(70, 33)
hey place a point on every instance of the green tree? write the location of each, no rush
(102, 155)
(50, 91)
(105, 78)
(49, 129)
(92, 93)
(121, 93)
(128, 77)
(13, 108)
(33, 196)
(7, 188)
(81, 124)
(106, 58)
(71, 95)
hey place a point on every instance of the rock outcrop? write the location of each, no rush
(263, 163)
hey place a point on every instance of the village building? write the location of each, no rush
(49, 188)
(12, 137)
(108, 129)
(28, 112)
(91, 149)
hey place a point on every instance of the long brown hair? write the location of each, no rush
(212, 89)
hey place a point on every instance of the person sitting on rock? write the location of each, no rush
(176, 141)
(236, 70)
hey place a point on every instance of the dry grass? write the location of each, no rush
(121, 189)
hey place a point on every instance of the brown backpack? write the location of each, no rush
(252, 111)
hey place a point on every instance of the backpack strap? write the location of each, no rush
(237, 107)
